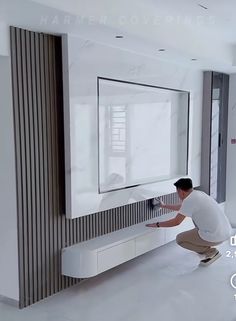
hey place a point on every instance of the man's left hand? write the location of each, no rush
(151, 225)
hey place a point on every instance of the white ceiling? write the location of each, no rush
(182, 27)
(219, 18)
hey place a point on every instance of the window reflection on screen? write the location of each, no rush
(143, 134)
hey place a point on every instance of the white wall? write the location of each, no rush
(88, 60)
(4, 39)
(9, 285)
(230, 206)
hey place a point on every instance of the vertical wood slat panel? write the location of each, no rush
(50, 164)
(46, 141)
(20, 64)
(27, 171)
(54, 271)
(40, 71)
(35, 181)
(60, 226)
(48, 74)
(18, 148)
(38, 119)
(30, 166)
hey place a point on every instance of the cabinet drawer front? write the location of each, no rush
(115, 255)
(149, 241)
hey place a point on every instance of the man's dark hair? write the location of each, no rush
(184, 183)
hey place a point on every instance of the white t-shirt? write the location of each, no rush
(207, 216)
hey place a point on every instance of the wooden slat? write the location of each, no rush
(55, 199)
(23, 214)
(30, 165)
(35, 180)
(17, 134)
(46, 164)
(43, 138)
(38, 128)
(49, 218)
(26, 170)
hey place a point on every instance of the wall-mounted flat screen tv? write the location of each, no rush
(142, 134)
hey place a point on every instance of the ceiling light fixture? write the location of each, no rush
(202, 6)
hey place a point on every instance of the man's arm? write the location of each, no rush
(170, 223)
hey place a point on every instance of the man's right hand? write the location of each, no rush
(157, 203)
(162, 203)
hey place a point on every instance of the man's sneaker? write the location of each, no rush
(209, 260)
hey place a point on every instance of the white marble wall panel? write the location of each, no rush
(86, 61)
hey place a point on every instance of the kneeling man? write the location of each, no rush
(212, 227)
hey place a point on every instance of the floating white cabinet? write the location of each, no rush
(78, 262)
(89, 258)
(149, 241)
(116, 255)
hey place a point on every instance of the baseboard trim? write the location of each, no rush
(9, 301)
